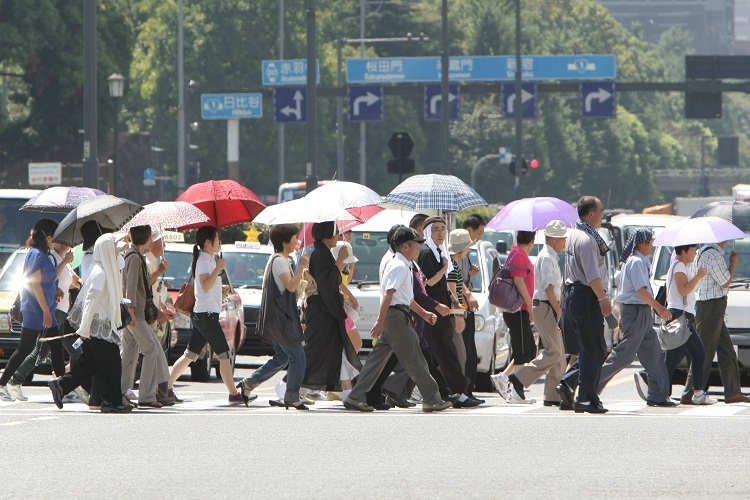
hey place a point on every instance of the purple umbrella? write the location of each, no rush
(697, 231)
(60, 199)
(533, 214)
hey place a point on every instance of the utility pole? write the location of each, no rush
(362, 126)
(282, 137)
(312, 178)
(90, 160)
(519, 103)
(445, 132)
(180, 100)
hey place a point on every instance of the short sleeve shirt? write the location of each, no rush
(546, 273)
(583, 261)
(206, 300)
(674, 299)
(518, 259)
(634, 276)
(33, 317)
(398, 276)
(281, 266)
(455, 276)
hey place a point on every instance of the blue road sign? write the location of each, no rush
(149, 173)
(289, 105)
(433, 102)
(528, 100)
(598, 100)
(287, 72)
(365, 104)
(481, 68)
(231, 106)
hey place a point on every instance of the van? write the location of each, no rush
(15, 224)
(623, 225)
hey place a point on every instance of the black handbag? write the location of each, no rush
(150, 311)
(15, 310)
(125, 317)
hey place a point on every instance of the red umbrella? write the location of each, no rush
(225, 202)
(363, 214)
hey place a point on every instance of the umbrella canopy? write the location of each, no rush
(362, 215)
(533, 214)
(434, 192)
(697, 231)
(344, 194)
(301, 210)
(225, 202)
(60, 199)
(109, 211)
(167, 215)
(736, 212)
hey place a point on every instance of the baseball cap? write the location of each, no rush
(404, 235)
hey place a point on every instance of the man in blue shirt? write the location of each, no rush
(636, 322)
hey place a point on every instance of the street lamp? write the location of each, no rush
(116, 84)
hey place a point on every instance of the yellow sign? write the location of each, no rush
(252, 234)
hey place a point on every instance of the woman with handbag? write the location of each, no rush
(98, 315)
(681, 284)
(206, 270)
(279, 321)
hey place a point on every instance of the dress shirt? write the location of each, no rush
(711, 257)
(634, 276)
(398, 276)
(546, 273)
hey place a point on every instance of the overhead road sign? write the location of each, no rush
(231, 106)
(287, 72)
(528, 100)
(365, 103)
(289, 105)
(598, 100)
(433, 105)
(481, 68)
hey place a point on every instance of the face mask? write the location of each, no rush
(120, 261)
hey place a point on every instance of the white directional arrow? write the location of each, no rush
(439, 97)
(297, 110)
(511, 101)
(600, 95)
(369, 99)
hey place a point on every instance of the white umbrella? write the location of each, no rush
(697, 231)
(344, 195)
(301, 210)
(167, 215)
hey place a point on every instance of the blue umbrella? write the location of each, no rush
(434, 192)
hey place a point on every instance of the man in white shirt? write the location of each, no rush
(394, 331)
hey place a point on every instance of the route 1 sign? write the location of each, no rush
(433, 101)
(365, 104)
(528, 100)
(598, 100)
(289, 105)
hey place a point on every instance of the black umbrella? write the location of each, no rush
(109, 211)
(736, 212)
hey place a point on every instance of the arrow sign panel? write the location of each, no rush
(433, 98)
(290, 104)
(528, 100)
(598, 100)
(365, 104)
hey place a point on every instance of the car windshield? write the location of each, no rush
(369, 248)
(246, 268)
(627, 231)
(11, 277)
(15, 225)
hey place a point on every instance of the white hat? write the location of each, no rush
(556, 229)
(459, 240)
(156, 235)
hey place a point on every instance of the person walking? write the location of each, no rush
(138, 336)
(279, 321)
(394, 331)
(681, 283)
(586, 304)
(98, 312)
(38, 304)
(330, 355)
(550, 362)
(636, 301)
(710, 308)
(205, 318)
(435, 264)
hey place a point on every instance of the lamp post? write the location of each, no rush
(116, 84)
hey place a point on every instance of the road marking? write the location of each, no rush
(717, 410)
(8, 424)
(44, 418)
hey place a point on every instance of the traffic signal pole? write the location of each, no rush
(517, 108)
(312, 177)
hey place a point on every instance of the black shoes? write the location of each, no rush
(590, 408)
(121, 408)
(353, 404)
(551, 403)
(57, 393)
(472, 396)
(392, 399)
(566, 395)
(468, 403)
(566, 407)
(663, 404)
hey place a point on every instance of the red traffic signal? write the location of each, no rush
(534, 163)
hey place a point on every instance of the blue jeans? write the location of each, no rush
(694, 349)
(284, 355)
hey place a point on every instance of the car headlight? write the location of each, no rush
(479, 322)
(5, 322)
(182, 321)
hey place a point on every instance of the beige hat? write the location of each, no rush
(556, 229)
(459, 240)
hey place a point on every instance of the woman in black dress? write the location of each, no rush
(327, 345)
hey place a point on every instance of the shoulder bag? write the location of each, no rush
(150, 311)
(675, 332)
(185, 298)
(503, 293)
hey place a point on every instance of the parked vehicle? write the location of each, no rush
(623, 225)
(11, 281)
(294, 190)
(232, 318)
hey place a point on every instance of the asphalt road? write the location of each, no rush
(205, 448)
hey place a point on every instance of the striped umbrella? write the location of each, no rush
(434, 192)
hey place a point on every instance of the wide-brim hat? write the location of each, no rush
(556, 229)
(459, 240)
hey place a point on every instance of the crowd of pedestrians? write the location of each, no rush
(423, 336)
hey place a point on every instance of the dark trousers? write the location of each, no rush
(26, 345)
(440, 338)
(471, 351)
(521, 336)
(375, 395)
(585, 316)
(100, 360)
(694, 349)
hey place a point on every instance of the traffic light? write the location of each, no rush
(525, 165)
(400, 145)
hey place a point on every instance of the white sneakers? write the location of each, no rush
(703, 399)
(16, 392)
(515, 399)
(82, 395)
(5, 394)
(501, 383)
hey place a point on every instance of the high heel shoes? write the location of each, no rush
(245, 398)
(297, 405)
